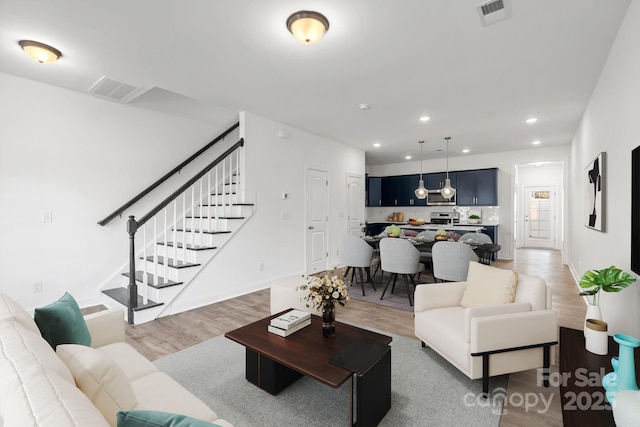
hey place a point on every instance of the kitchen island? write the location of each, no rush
(467, 228)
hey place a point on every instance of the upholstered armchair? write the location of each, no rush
(496, 322)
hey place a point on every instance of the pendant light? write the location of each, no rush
(447, 191)
(421, 192)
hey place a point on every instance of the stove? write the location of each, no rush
(444, 217)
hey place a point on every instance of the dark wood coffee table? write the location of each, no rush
(274, 362)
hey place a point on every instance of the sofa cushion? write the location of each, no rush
(62, 323)
(99, 378)
(488, 285)
(133, 364)
(140, 418)
(11, 310)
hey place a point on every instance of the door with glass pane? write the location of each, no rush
(539, 217)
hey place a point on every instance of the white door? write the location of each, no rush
(316, 226)
(355, 204)
(539, 217)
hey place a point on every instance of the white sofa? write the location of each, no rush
(488, 340)
(81, 386)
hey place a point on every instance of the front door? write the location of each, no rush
(539, 217)
(316, 223)
(355, 204)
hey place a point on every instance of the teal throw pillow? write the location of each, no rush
(141, 418)
(62, 323)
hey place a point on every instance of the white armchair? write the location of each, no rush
(488, 340)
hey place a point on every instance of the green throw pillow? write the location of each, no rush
(62, 323)
(141, 418)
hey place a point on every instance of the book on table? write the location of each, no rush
(290, 319)
(290, 330)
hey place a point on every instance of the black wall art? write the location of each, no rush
(594, 198)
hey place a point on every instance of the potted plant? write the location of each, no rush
(474, 219)
(609, 279)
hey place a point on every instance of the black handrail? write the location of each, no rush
(166, 176)
(188, 184)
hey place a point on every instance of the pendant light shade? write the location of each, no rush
(307, 26)
(421, 192)
(447, 191)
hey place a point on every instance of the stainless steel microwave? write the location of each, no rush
(435, 198)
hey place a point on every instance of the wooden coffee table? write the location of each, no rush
(274, 362)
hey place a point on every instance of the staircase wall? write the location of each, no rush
(82, 159)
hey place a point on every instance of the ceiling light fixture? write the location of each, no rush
(535, 142)
(447, 191)
(425, 118)
(421, 192)
(377, 144)
(40, 52)
(466, 150)
(407, 157)
(531, 120)
(307, 26)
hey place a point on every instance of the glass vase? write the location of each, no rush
(329, 321)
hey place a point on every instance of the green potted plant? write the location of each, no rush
(609, 279)
(474, 219)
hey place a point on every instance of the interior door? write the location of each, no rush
(316, 223)
(355, 204)
(539, 217)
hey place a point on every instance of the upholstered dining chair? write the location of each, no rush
(479, 238)
(426, 234)
(357, 255)
(451, 261)
(399, 256)
(425, 257)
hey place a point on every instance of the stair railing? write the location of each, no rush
(168, 175)
(219, 184)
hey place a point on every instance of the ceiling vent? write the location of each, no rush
(494, 11)
(114, 90)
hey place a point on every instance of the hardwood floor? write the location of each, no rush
(173, 333)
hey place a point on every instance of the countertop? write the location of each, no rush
(457, 225)
(447, 227)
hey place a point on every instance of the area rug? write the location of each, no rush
(426, 390)
(397, 299)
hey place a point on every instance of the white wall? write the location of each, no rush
(505, 162)
(610, 124)
(79, 157)
(274, 166)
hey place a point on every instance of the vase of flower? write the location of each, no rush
(325, 292)
(329, 321)
(593, 312)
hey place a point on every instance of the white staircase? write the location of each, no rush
(179, 237)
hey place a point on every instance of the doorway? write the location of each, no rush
(539, 217)
(355, 204)
(317, 255)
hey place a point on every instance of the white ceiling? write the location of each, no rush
(210, 59)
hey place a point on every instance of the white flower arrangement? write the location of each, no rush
(324, 291)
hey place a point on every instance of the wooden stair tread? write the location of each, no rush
(188, 230)
(171, 262)
(162, 282)
(122, 296)
(190, 247)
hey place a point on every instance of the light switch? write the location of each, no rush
(47, 216)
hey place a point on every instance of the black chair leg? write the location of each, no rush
(370, 279)
(361, 279)
(395, 278)
(408, 279)
(388, 283)
(346, 272)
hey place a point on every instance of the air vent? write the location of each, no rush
(493, 11)
(114, 90)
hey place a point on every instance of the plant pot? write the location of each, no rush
(593, 312)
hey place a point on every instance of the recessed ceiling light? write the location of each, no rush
(535, 142)
(377, 144)
(407, 157)
(425, 118)
(531, 120)
(364, 106)
(466, 150)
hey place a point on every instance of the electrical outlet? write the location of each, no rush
(37, 287)
(261, 266)
(47, 216)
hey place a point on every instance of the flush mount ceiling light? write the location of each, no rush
(377, 144)
(425, 118)
(531, 120)
(535, 142)
(447, 191)
(40, 52)
(307, 26)
(421, 192)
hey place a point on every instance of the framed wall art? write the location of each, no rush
(594, 197)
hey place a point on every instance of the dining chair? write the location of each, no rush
(357, 255)
(479, 238)
(399, 256)
(425, 257)
(451, 261)
(427, 234)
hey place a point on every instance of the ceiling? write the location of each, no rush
(209, 59)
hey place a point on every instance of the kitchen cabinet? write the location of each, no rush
(477, 187)
(435, 181)
(374, 191)
(399, 191)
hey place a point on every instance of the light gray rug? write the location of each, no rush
(426, 390)
(397, 299)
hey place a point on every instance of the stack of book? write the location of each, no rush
(289, 322)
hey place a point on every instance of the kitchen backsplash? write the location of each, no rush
(489, 214)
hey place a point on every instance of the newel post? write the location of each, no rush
(132, 300)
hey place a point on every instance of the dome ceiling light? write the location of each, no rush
(40, 52)
(307, 26)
